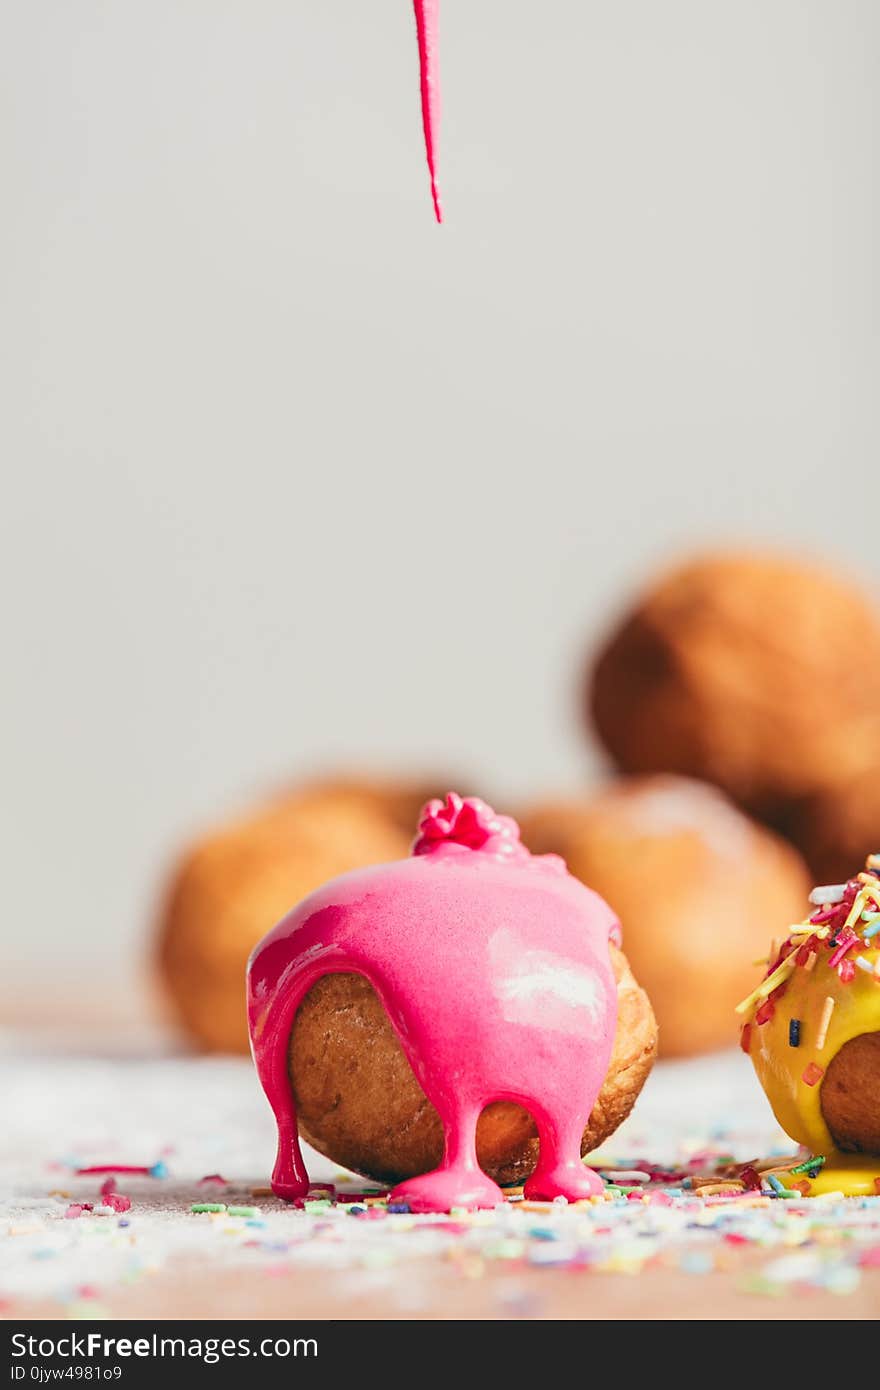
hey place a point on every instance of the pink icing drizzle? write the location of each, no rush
(427, 13)
(493, 967)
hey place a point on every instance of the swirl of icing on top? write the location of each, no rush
(467, 824)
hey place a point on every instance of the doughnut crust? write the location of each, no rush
(753, 671)
(694, 882)
(851, 1095)
(359, 1103)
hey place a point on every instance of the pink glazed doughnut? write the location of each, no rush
(493, 967)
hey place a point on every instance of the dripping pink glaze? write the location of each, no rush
(427, 14)
(493, 967)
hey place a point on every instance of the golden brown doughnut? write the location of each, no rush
(694, 882)
(359, 1103)
(753, 671)
(838, 828)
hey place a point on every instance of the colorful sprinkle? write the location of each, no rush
(824, 1021)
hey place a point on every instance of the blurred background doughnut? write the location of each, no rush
(234, 882)
(694, 882)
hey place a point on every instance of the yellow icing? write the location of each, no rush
(780, 1067)
(855, 1175)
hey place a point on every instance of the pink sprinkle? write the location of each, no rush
(846, 944)
(108, 1187)
(870, 1258)
(659, 1199)
(116, 1202)
(97, 1168)
(847, 971)
(87, 1291)
(73, 1211)
(213, 1177)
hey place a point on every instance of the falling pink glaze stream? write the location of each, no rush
(427, 15)
(493, 967)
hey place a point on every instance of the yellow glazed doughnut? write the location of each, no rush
(812, 1030)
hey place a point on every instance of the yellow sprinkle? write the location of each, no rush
(827, 1011)
(872, 888)
(767, 986)
(810, 961)
(855, 911)
(762, 960)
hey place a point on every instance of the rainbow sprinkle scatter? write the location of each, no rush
(683, 1196)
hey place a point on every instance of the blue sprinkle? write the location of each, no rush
(399, 1207)
(260, 1225)
(159, 1170)
(779, 1189)
(356, 1211)
(122, 1222)
(543, 1233)
(794, 1032)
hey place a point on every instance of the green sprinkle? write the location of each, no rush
(200, 1207)
(242, 1211)
(318, 1204)
(809, 1165)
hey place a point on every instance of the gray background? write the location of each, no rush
(292, 475)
